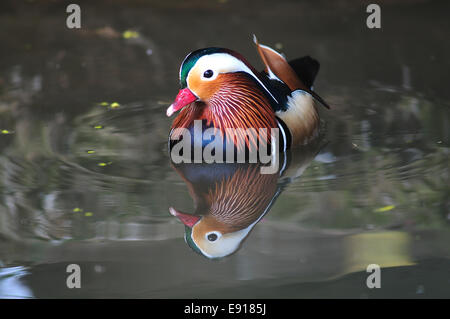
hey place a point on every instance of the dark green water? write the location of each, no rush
(91, 184)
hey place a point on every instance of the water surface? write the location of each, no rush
(85, 180)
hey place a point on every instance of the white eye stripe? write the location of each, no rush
(224, 63)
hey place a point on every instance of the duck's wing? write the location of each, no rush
(290, 73)
(306, 69)
(277, 67)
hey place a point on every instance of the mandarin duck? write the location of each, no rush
(220, 88)
(231, 198)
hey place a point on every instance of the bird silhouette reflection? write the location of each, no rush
(231, 198)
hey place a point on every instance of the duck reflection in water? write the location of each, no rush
(231, 198)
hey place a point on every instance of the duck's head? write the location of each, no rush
(204, 72)
(208, 237)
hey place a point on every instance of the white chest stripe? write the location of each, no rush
(284, 136)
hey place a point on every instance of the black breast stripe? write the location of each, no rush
(285, 135)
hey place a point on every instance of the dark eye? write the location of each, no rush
(212, 237)
(208, 73)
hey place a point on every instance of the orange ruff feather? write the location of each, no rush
(236, 102)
